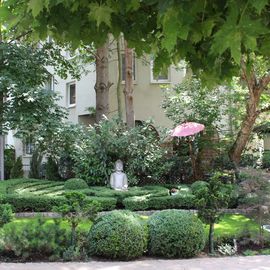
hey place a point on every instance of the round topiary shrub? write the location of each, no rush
(75, 184)
(175, 234)
(118, 235)
(196, 186)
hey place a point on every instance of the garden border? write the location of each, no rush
(143, 213)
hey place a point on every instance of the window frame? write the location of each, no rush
(71, 105)
(28, 144)
(49, 84)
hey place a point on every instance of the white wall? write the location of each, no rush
(85, 93)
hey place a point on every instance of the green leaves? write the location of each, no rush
(100, 13)
(259, 4)
(173, 28)
(239, 33)
(36, 6)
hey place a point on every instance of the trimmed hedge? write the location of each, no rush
(46, 203)
(75, 184)
(118, 235)
(164, 202)
(175, 234)
(154, 191)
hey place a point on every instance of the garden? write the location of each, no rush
(114, 192)
(73, 221)
(119, 188)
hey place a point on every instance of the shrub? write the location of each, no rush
(65, 166)
(118, 235)
(17, 169)
(34, 239)
(139, 148)
(120, 196)
(75, 209)
(35, 165)
(52, 170)
(46, 203)
(75, 184)
(6, 214)
(197, 186)
(163, 202)
(32, 203)
(266, 159)
(175, 234)
(209, 199)
(9, 159)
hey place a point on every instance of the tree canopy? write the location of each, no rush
(28, 105)
(211, 35)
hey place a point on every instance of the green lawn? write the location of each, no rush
(235, 224)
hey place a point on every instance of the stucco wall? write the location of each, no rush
(148, 96)
(85, 93)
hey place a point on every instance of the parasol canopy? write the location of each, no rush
(187, 129)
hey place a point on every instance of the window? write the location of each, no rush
(71, 95)
(49, 84)
(28, 146)
(123, 75)
(162, 77)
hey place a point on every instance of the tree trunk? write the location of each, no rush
(246, 128)
(211, 238)
(128, 91)
(102, 82)
(118, 91)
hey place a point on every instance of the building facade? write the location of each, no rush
(78, 96)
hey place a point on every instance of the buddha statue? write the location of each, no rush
(118, 179)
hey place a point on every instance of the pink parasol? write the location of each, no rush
(187, 129)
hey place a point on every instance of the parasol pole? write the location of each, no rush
(193, 160)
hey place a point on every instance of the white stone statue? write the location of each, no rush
(118, 179)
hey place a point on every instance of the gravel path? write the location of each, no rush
(226, 263)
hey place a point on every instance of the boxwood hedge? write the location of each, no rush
(118, 235)
(175, 234)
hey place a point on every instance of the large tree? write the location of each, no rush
(217, 38)
(82, 23)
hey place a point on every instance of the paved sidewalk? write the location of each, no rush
(228, 263)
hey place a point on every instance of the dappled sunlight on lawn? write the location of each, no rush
(235, 225)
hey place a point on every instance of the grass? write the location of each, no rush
(233, 225)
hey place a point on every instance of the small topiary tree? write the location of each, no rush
(175, 234)
(6, 214)
(76, 208)
(17, 169)
(52, 169)
(75, 184)
(9, 160)
(118, 235)
(266, 159)
(210, 198)
(35, 165)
